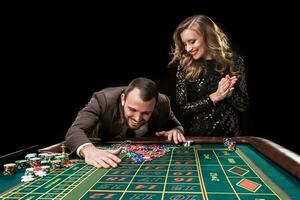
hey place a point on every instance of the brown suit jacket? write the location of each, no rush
(103, 118)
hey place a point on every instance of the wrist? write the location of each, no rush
(213, 97)
(85, 149)
(178, 130)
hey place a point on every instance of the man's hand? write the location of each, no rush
(172, 134)
(100, 158)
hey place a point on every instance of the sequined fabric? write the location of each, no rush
(201, 116)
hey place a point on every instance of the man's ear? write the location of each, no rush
(122, 99)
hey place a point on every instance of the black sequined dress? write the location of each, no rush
(200, 113)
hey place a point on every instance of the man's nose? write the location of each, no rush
(137, 117)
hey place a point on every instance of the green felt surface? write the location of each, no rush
(7, 182)
(196, 172)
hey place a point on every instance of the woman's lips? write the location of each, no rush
(193, 53)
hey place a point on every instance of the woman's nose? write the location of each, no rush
(188, 48)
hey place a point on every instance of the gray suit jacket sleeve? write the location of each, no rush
(86, 121)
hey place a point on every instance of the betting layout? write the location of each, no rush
(156, 172)
(195, 172)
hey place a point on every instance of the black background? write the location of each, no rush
(56, 56)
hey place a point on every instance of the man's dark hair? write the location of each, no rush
(147, 87)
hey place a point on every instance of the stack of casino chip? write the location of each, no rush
(34, 170)
(230, 144)
(46, 157)
(35, 162)
(38, 165)
(9, 169)
(39, 171)
(31, 173)
(30, 155)
(56, 164)
(22, 164)
(27, 178)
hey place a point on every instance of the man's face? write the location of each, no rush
(136, 111)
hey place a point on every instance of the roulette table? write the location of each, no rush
(257, 169)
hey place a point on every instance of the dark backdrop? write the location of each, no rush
(56, 56)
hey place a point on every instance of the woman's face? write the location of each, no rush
(193, 43)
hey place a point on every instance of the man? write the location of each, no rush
(119, 112)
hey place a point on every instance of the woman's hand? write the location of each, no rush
(225, 89)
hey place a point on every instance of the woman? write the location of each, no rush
(210, 81)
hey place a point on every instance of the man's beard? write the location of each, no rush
(134, 128)
(127, 121)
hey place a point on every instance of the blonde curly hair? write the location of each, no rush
(217, 45)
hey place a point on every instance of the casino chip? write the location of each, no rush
(188, 143)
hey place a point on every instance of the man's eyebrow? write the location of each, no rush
(132, 108)
(147, 112)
